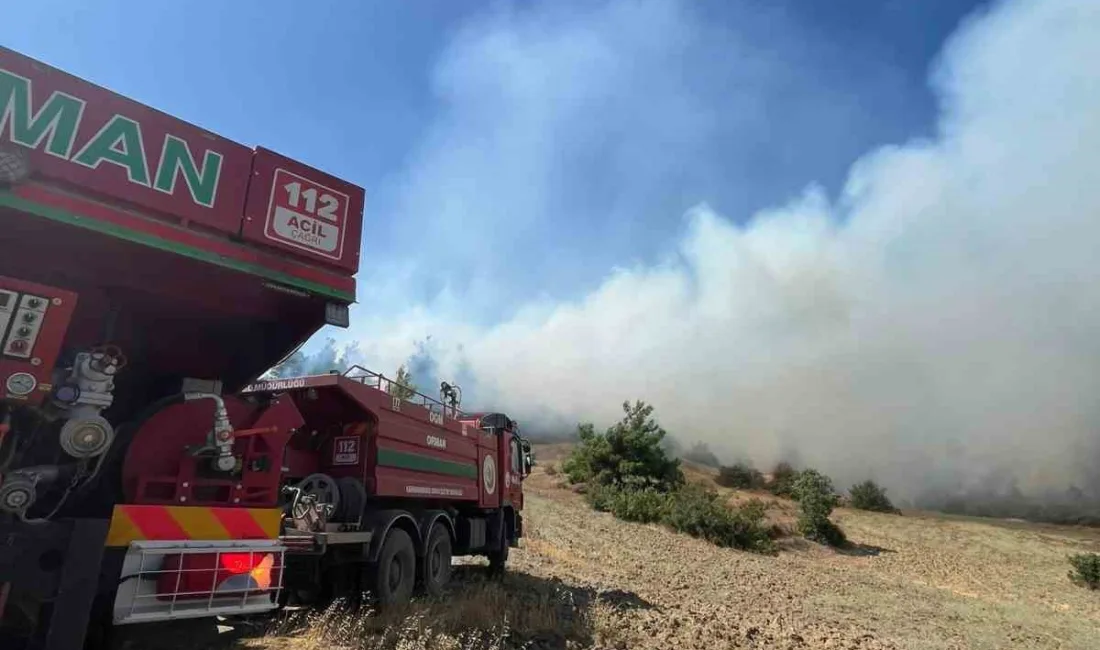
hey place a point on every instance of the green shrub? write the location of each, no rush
(699, 512)
(822, 531)
(645, 506)
(868, 495)
(816, 500)
(690, 509)
(628, 473)
(578, 467)
(628, 453)
(754, 509)
(782, 480)
(599, 496)
(741, 476)
(1086, 569)
(402, 386)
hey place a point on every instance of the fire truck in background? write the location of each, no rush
(150, 272)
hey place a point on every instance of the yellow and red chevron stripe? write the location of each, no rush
(173, 523)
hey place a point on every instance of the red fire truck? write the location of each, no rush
(150, 273)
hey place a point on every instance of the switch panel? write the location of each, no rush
(34, 320)
(24, 328)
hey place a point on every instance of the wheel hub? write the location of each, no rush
(396, 573)
(436, 562)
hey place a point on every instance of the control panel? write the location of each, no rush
(33, 321)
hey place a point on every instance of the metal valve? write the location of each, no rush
(17, 493)
(220, 438)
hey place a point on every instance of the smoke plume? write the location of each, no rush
(935, 327)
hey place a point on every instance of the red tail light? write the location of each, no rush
(202, 575)
(236, 563)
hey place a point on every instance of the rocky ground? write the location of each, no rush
(586, 580)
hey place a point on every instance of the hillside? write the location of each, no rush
(584, 579)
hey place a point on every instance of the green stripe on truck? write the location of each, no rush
(421, 463)
(10, 200)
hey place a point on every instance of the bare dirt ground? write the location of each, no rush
(586, 580)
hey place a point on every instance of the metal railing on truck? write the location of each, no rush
(406, 394)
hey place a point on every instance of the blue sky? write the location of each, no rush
(513, 150)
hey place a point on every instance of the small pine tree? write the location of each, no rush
(402, 386)
(629, 454)
(579, 467)
(868, 495)
(816, 500)
(783, 480)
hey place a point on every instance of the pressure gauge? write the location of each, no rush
(21, 383)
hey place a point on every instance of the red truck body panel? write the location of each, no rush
(81, 137)
(191, 239)
(95, 111)
(303, 211)
(397, 448)
(330, 424)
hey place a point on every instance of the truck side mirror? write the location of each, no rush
(528, 462)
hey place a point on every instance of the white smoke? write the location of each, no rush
(937, 321)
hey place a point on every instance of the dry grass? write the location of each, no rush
(698, 473)
(922, 580)
(481, 614)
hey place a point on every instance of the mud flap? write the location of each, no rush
(497, 537)
(53, 573)
(519, 530)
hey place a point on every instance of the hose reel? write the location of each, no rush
(314, 500)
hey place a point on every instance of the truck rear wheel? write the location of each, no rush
(394, 575)
(497, 560)
(499, 557)
(436, 570)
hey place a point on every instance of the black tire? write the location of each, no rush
(498, 559)
(316, 592)
(394, 574)
(435, 570)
